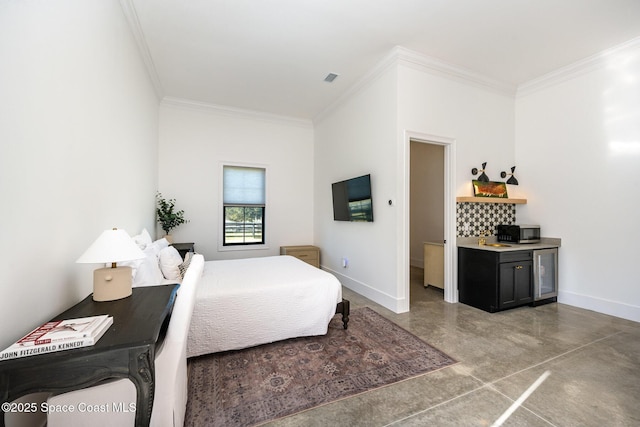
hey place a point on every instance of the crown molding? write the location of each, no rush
(435, 66)
(134, 24)
(591, 63)
(402, 56)
(234, 111)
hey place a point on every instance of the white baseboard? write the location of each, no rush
(417, 262)
(612, 308)
(387, 301)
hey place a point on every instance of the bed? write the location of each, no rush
(246, 302)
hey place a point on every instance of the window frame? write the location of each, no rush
(244, 243)
(222, 246)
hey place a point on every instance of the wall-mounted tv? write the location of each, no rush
(352, 199)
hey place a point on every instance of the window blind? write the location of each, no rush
(243, 185)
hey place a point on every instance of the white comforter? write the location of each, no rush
(246, 302)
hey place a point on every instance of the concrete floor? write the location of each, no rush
(592, 360)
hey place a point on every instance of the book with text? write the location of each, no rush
(62, 330)
(74, 333)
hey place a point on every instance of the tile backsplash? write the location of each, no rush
(475, 218)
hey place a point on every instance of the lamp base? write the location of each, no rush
(111, 283)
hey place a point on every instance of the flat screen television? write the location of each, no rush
(352, 199)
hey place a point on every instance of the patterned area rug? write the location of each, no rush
(252, 386)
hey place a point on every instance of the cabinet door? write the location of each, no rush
(515, 284)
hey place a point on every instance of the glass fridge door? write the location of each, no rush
(545, 271)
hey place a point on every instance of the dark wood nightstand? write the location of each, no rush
(183, 248)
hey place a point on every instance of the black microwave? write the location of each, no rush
(519, 233)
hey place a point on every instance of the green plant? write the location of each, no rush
(168, 217)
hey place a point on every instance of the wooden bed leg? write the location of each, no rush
(344, 308)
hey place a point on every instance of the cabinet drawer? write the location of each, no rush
(516, 256)
(304, 255)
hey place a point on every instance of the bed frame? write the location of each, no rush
(344, 309)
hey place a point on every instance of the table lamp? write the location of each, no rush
(113, 246)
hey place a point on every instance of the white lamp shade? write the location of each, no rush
(112, 246)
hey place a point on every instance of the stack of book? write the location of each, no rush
(59, 335)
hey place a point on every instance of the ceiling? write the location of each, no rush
(273, 55)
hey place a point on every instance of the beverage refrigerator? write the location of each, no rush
(545, 275)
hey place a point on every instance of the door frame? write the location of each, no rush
(450, 258)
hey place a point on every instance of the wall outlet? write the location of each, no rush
(345, 262)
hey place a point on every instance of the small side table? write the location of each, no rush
(307, 253)
(183, 248)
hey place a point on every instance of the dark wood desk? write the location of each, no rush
(126, 350)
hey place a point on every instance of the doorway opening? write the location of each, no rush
(426, 223)
(430, 210)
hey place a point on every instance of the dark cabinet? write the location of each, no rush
(494, 280)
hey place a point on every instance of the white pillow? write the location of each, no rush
(143, 239)
(160, 244)
(170, 261)
(148, 270)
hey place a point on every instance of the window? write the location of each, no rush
(243, 204)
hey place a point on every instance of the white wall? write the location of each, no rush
(195, 140)
(477, 119)
(366, 134)
(576, 153)
(480, 120)
(578, 150)
(356, 138)
(78, 153)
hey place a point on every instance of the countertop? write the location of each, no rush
(472, 243)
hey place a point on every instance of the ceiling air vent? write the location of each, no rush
(330, 77)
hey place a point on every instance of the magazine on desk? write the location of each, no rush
(59, 335)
